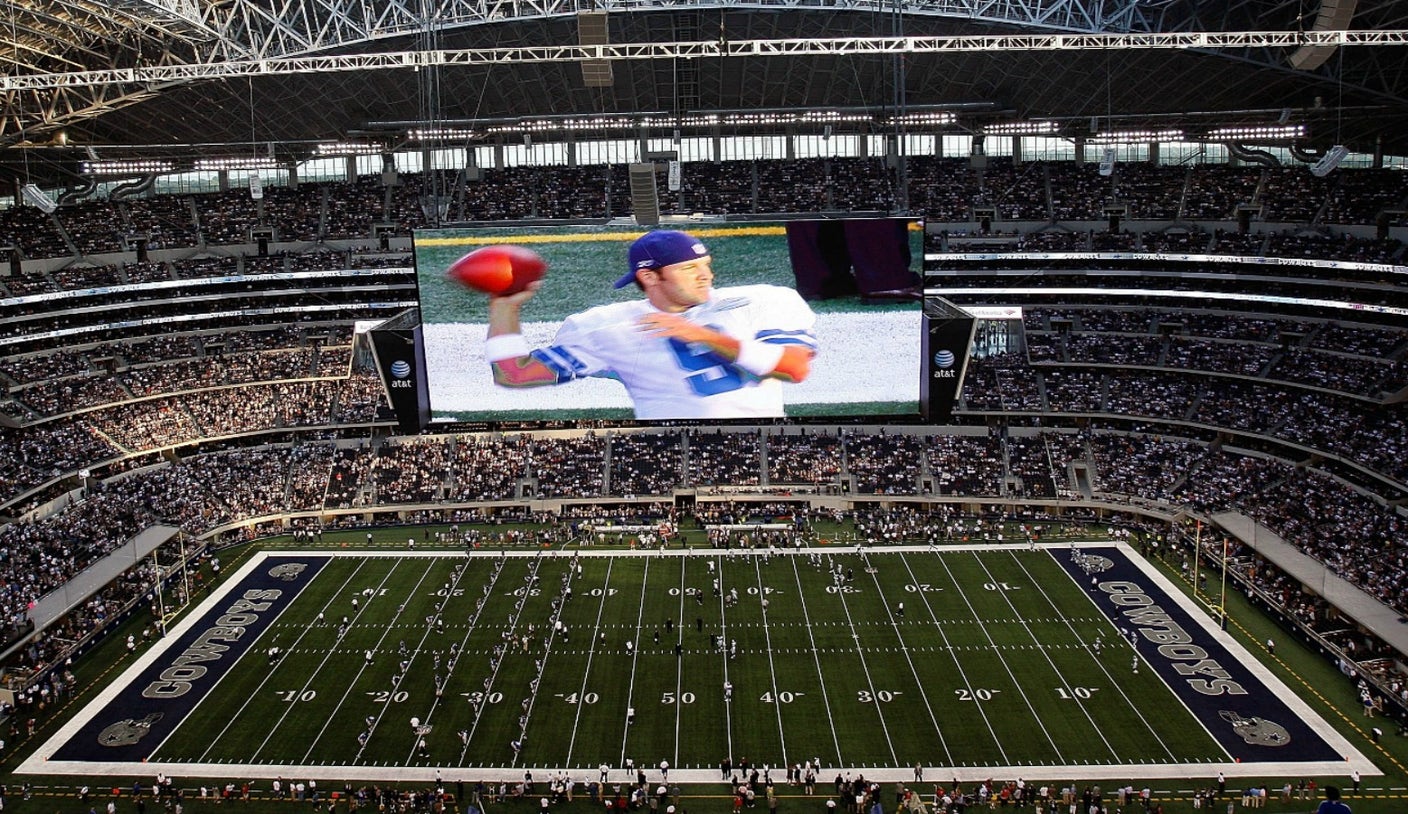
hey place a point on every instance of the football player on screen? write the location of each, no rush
(687, 350)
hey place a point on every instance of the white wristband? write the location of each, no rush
(758, 358)
(505, 346)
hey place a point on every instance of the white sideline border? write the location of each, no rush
(38, 762)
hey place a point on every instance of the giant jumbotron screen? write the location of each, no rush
(868, 362)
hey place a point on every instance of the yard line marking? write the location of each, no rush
(591, 652)
(679, 666)
(1060, 676)
(772, 669)
(270, 673)
(635, 656)
(957, 662)
(385, 632)
(1005, 666)
(816, 660)
(534, 684)
(520, 606)
(914, 671)
(860, 651)
(1114, 682)
(723, 648)
(469, 631)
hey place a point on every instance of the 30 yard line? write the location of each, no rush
(480, 604)
(865, 668)
(519, 606)
(547, 651)
(914, 671)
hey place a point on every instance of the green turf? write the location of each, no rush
(1307, 672)
(987, 667)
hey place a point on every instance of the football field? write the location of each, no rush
(1032, 661)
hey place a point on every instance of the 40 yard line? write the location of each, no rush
(772, 669)
(816, 660)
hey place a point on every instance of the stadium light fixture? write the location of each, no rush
(1034, 128)
(442, 134)
(220, 164)
(127, 168)
(1136, 136)
(1264, 132)
(940, 118)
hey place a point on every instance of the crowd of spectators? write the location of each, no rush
(1302, 380)
(947, 190)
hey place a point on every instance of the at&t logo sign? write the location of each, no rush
(943, 364)
(400, 373)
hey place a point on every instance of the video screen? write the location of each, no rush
(847, 285)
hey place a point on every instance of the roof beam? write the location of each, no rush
(833, 46)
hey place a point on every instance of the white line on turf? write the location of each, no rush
(1055, 671)
(591, 653)
(816, 660)
(914, 671)
(1017, 685)
(390, 698)
(865, 668)
(635, 655)
(249, 698)
(1115, 684)
(772, 669)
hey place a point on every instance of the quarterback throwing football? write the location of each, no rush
(688, 350)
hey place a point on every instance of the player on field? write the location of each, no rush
(687, 350)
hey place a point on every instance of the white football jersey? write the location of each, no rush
(669, 378)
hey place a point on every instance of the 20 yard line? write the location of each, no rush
(385, 707)
(816, 659)
(992, 643)
(957, 662)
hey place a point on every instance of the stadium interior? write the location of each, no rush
(208, 206)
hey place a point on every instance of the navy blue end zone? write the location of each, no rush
(131, 725)
(1244, 715)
